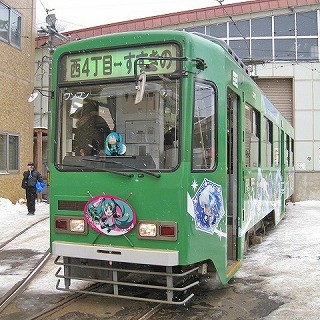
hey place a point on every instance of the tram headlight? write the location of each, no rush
(147, 230)
(71, 225)
(77, 225)
(158, 230)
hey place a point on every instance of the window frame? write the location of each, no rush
(267, 142)
(255, 131)
(7, 151)
(291, 163)
(9, 39)
(215, 130)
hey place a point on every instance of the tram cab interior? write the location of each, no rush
(149, 129)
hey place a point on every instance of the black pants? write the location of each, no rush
(31, 199)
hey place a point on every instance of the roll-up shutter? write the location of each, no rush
(279, 92)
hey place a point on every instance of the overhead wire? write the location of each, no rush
(234, 23)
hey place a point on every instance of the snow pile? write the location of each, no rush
(14, 217)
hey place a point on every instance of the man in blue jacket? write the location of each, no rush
(30, 178)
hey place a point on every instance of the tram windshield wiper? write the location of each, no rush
(107, 160)
(129, 175)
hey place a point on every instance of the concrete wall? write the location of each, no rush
(16, 84)
(306, 121)
(307, 186)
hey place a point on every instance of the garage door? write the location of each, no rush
(279, 92)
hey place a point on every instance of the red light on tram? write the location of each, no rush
(61, 224)
(167, 231)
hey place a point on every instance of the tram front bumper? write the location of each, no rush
(116, 254)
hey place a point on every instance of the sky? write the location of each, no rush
(78, 14)
(285, 265)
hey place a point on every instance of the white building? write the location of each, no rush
(279, 40)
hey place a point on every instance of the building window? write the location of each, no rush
(285, 37)
(307, 23)
(261, 49)
(241, 47)
(307, 49)
(200, 29)
(15, 29)
(4, 22)
(9, 152)
(217, 30)
(285, 49)
(10, 26)
(261, 27)
(240, 29)
(284, 25)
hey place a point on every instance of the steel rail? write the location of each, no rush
(21, 232)
(20, 286)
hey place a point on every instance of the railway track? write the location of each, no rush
(17, 289)
(49, 313)
(10, 249)
(20, 286)
(21, 232)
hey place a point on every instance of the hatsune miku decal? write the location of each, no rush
(109, 215)
(206, 207)
(263, 194)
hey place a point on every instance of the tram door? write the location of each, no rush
(232, 170)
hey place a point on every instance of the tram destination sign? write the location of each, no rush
(118, 63)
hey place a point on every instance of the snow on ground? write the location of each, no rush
(287, 263)
(14, 217)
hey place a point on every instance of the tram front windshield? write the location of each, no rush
(100, 127)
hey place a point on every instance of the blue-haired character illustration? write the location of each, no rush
(208, 205)
(107, 214)
(114, 145)
(95, 210)
(108, 219)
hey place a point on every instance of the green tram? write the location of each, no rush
(165, 158)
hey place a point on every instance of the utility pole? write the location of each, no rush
(52, 33)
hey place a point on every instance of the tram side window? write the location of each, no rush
(287, 155)
(252, 137)
(292, 153)
(267, 143)
(276, 148)
(203, 139)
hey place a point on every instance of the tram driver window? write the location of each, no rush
(252, 137)
(203, 139)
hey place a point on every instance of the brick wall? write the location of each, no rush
(16, 84)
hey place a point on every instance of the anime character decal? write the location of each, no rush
(109, 215)
(206, 206)
(114, 145)
(263, 194)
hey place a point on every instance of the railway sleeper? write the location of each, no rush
(148, 283)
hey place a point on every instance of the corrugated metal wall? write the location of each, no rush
(280, 93)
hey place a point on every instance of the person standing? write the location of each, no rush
(30, 178)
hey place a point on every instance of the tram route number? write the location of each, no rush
(117, 63)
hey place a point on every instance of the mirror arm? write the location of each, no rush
(200, 63)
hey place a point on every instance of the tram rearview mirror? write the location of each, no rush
(76, 104)
(140, 87)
